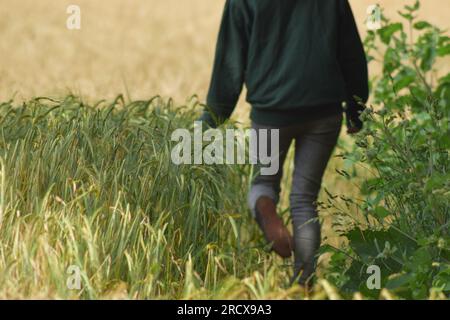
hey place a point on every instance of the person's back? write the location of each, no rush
(297, 58)
(292, 59)
(300, 60)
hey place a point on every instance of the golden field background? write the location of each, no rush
(143, 47)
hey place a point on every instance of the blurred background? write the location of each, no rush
(140, 47)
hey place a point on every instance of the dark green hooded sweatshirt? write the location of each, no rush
(299, 59)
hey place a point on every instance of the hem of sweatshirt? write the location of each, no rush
(294, 115)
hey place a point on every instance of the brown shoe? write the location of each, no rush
(273, 227)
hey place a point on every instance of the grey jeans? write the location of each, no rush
(314, 145)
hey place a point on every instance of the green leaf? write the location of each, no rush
(387, 32)
(403, 82)
(421, 257)
(428, 59)
(413, 8)
(422, 25)
(398, 280)
(407, 16)
(391, 61)
(381, 212)
(443, 51)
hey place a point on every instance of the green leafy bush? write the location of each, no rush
(404, 150)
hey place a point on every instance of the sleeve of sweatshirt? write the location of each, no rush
(229, 65)
(352, 59)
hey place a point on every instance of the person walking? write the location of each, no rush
(301, 62)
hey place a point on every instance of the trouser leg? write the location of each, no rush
(313, 148)
(268, 185)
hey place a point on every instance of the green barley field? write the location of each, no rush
(94, 186)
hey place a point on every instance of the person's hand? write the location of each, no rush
(354, 123)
